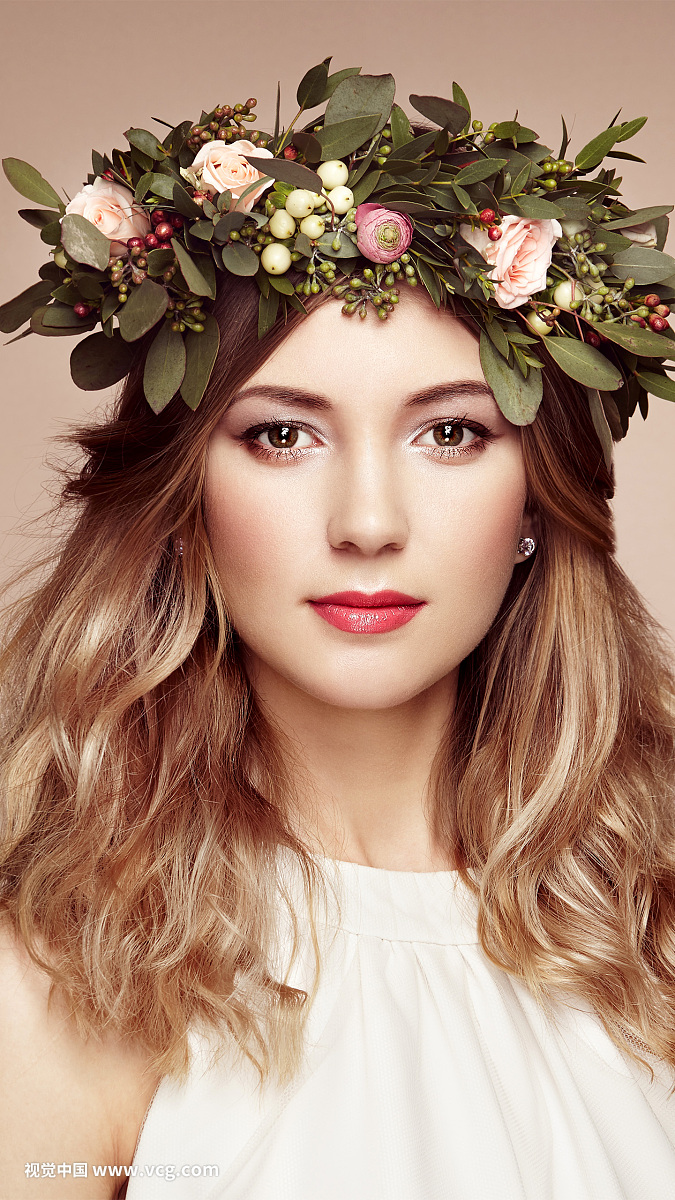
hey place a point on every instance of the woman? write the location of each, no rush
(361, 893)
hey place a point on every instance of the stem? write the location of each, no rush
(283, 142)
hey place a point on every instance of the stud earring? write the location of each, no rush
(180, 547)
(527, 546)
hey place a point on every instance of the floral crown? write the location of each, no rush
(541, 251)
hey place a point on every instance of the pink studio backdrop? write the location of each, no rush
(75, 75)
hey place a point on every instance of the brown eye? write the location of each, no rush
(448, 434)
(282, 436)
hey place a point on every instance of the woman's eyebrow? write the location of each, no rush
(453, 390)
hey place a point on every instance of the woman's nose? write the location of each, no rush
(366, 503)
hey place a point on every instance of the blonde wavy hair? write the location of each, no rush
(145, 795)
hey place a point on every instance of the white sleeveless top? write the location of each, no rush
(431, 1074)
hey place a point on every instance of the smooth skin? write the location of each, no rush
(368, 500)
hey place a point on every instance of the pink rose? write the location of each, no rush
(111, 208)
(522, 256)
(221, 167)
(382, 235)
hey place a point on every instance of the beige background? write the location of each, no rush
(76, 74)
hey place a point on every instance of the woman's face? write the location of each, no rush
(365, 456)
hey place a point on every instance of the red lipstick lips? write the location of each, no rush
(359, 612)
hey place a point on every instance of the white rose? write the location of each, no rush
(642, 235)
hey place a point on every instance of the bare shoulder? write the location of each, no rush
(63, 1100)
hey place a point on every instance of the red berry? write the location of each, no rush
(658, 324)
(639, 321)
(151, 241)
(652, 300)
(177, 221)
(135, 242)
(487, 216)
(290, 152)
(158, 216)
(164, 231)
(663, 310)
(82, 310)
(494, 234)
(165, 246)
(592, 338)
(108, 175)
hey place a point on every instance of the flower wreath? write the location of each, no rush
(543, 252)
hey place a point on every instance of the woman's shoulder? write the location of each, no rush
(63, 1099)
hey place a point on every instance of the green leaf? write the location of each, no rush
(288, 171)
(268, 306)
(29, 183)
(146, 142)
(51, 234)
(583, 363)
(339, 140)
(303, 245)
(642, 264)
(637, 340)
(464, 198)
(15, 312)
(38, 325)
(61, 316)
(99, 361)
(360, 96)
(657, 384)
(164, 367)
(478, 171)
(565, 139)
(348, 248)
(239, 259)
(84, 243)
(228, 222)
(196, 281)
(159, 260)
(308, 145)
(37, 217)
(518, 398)
(159, 185)
(638, 217)
(366, 186)
(536, 208)
(505, 129)
(497, 336)
(445, 113)
(592, 154)
(400, 127)
(601, 425)
(282, 284)
(624, 154)
(203, 230)
(430, 281)
(184, 203)
(296, 303)
(312, 87)
(109, 307)
(521, 179)
(146, 305)
(459, 97)
(202, 350)
(334, 80)
(630, 128)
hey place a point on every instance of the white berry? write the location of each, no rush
(566, 292)
(342, 199)
(536, 324)
(318, 199)
(275, 258)
(282, 224)
(333, 173)
(313, 226)
(300, 203)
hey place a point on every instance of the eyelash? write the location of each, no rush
(483, 437)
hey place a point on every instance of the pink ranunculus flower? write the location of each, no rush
(382, 235)
(522, 256)
(221, 166)
(111, 208)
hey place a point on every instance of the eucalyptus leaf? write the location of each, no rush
(517, 398)
(159, 185)
(303, 245)
(288, 171)
(498, 337)
(459, 97)
(240, 259)
(38, 325)
(228, 222)
(159, 260)
(109, 306)
(400, 127)
(194, 277)
(29, 183)
(184, 203)
(366, 186)
(476, 172)
(360, 96)
(84, 243)
(536, 208)
(339, 140)
(348, 249)
(312, 87)
(643, 342)
(38, 217)
(164, 367)
(51, 234)
(201, 350)
(334, 80)
(203, 230)
(601, 425)
(146, 305)
(268, 307)
(642, 264)
(307, 144)
(99, 361)
(146, 142)
(638, 217)
(592, 154)
(445, 113)
(61, 316)
(15, 312)
(630, 128)
(282, 284)
(583, 363)
(430, 281)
